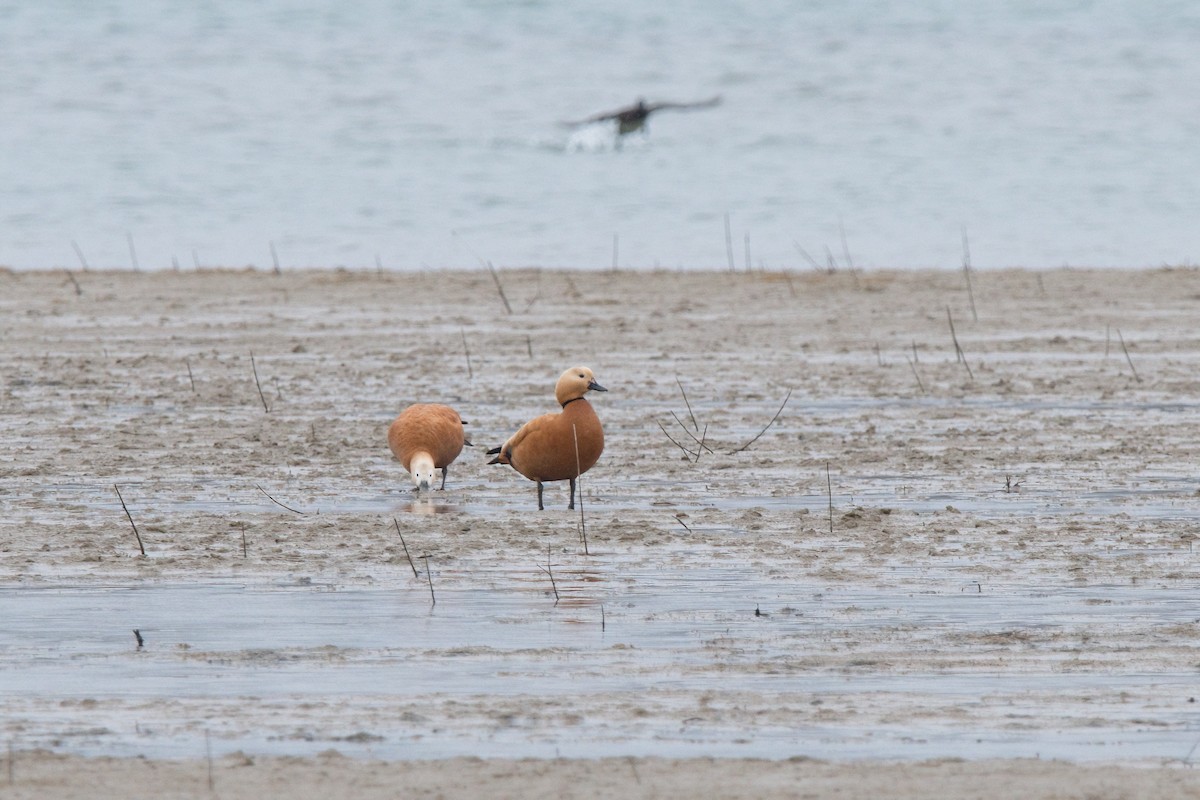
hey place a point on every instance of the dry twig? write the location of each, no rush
(769, 424)
(130, 517)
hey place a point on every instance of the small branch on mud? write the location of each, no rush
(686, 403)
(276, 502)
(79, 252)
(916, 374)
(812, 262)
(78, 289)
(689, 453)
(679, 519)
(829, 490)
(1121, 339)
(261, 396)
(967, 272)
(405, 546)
(549, 570)
(467, 353)
(429, 575)
(958, 351)
(499, 288)
(137, 634)
(699, 441)
(130, 517)
(769, 424)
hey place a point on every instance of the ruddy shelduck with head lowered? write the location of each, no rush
(425, 437)
(562, 446)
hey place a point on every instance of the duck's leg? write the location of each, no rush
(540, 506)
(571, 505)
(444, 471)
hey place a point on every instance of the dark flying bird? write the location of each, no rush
(633, 118)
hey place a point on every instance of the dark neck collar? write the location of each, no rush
(572, 400)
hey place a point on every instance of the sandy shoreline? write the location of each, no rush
(1008, 572)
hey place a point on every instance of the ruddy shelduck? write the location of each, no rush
(425, 437)
(562, 446)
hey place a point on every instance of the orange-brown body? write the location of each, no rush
(425, 437)
(562, 446)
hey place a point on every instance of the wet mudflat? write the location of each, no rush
(927, 554)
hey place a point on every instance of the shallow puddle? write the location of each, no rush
(666, 637)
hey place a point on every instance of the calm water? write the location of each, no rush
(428, 134)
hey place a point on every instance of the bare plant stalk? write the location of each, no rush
(405, 546)
(429, 575)
(700, 442)
(549, 570)
(257, 383)
(529, 345)
(602, 626)
(276, 502)
(845, 246)
(130, 517)
(916, 358)
(467, 352)
(208, 751)
(769, 424)
(688, 404)
(132, 252)
(78, 289)
(244, 549)
(1121, 339)
(679, 519)
(829, 490)
(689, 453)
(499, 287)
(191, 378)
(878, 355)
(962, 357)
(579, 486)
(812, 262)
(916, 374)
(137, 635)
(967, 272)
(275, 259)
(78, 252)
(729, 242)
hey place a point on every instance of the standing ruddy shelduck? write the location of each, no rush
(425, 437)
(562, 446)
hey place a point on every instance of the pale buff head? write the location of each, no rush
(420, 466)
(574, 384)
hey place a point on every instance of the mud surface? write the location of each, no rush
(1007, 570)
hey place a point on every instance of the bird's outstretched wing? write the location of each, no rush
(709, 103)
(641, 109)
